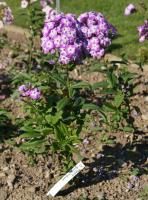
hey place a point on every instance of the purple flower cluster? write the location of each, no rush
(33, 93)
(49, 12)
(74, 38)
(129, 9)
(133, 183)
(97, 32)
(62, 34)
(43, 3)
(143, 32)
(46, 8)
(6, 16)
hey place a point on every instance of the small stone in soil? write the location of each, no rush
(135, 113)
(95, 169)
(10, 180)
(2, 175)
(145, 116)
(3, 195)
(31, 189)
(146, 98)
(101, 196)
(5, 168)
(99, 155)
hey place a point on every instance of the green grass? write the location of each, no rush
(113, 10)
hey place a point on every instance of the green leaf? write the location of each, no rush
(127, 76)
(108, 107)
(53, 119)
(35, 146)
(80, 85)
(118, 100)
(112, 79)
(96, 67)
(79, 102)
(69, 118)
(128, 129)
(96, 129)
(59, 134)
(21, 77)
(71, 91)
(3, 112)
(116, 117)
(62, 103)
(95, 107)
(58, 78)
(45, 131)
(90, 106)
(32, 134)
(64, 129)
(107, 91)
(102, 84)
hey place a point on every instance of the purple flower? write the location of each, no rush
(143, 31)
(22, 88)
(64, 59)
(57, 41)
(35, 94)
(86, 141)
(6, 17)
(63, 31)
(26, 91)
(52, 62)
(129, 9)
(43, 3)
(129, 186)
(24, 4)
(97, 31)
(75, 38)
(135, 178)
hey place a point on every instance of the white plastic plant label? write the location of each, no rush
(63, 181)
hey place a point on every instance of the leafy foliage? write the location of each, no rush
(115, 90)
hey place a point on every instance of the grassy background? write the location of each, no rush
(113, 10)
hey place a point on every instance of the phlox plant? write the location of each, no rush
(54, 119)
(129, 10)
(143, 31)
(32, 57)
(116, 90)
(53, 103)
(6, 16)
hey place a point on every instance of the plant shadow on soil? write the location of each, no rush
(109, 165)
(7, 129)
(5, 88)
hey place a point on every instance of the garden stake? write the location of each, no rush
(65, 179)
(58, 5)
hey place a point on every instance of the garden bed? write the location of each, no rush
(65, 98)
(116, 164)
